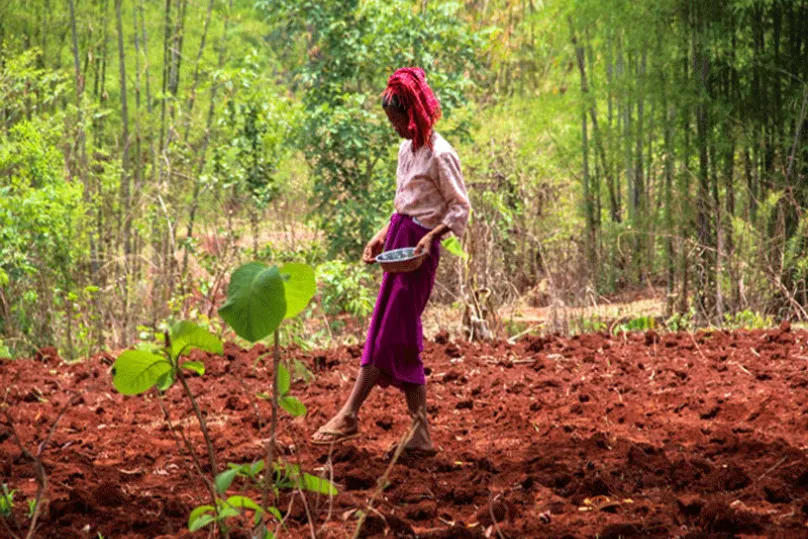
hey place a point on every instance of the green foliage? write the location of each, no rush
(299, 287)
(682, 321)
(347, 140)
(286, 477)
(39, 213)
(137, 371)
(641, 323)
(5, 352)
(6, 501)
(256, 301)
(453, 246)
(591, 324)
(747, 319)
(290, 404)
(260, 120)
(345, 288)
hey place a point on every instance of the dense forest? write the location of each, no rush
(146, 147)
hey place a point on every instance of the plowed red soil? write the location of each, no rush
(646, 435)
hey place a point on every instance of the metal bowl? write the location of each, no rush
(400, 260)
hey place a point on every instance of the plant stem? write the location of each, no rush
(42, 477)
(202, 425)
(269, 470)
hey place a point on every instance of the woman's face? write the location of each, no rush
(400, 121)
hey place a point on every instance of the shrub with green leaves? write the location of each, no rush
(40, 213)
(345, 288)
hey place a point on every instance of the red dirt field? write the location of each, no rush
(650, 435)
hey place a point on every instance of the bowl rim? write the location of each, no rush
(380, 260)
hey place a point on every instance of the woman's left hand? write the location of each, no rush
(425, 245)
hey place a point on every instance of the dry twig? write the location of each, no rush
(42, 477)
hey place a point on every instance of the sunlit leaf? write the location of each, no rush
(299, 287)
(185, 336)
(136, 371)
(284, 380)
(244, 502)
(292, 406)
(317, 484)
(197, 366)
(256, 302)
(452, 245)
(200, 517)
(225, 479)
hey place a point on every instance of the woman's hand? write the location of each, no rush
(373, 249)
(425, 245)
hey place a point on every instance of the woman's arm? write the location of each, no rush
(425, 245)
(375, 245)
(453, 188)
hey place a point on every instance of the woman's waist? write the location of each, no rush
(428, 222)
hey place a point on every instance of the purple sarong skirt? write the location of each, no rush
(395, 337)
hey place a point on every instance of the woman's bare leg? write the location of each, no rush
(346, 421)
(416, 403)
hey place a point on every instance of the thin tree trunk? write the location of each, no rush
(706, 244)
(588, 209)
(124, 213)
(138, 179)
(80, 137)
(639, 189)
(124, 217)
(206, 139)
(670, 115)
(192, 96)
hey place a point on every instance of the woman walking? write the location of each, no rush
(431, 201)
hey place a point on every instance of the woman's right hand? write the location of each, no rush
(373, 249)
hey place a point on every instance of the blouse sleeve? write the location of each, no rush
(453, 189)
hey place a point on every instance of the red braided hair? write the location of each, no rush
(409, 86)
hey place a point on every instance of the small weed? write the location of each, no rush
(6, 501)
(642, 323)
(747, 320)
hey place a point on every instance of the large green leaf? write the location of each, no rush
(293, 406)
(136, 371)
(185, 336)
(299, 287)
(452, 244)
(256, 302)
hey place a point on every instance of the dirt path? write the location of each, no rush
(648, 436)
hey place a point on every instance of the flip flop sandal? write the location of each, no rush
(338, 437)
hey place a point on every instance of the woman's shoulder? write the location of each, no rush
(441, 147)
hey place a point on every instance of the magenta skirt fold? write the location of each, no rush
(395, 337)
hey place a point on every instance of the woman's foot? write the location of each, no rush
(419, 445)
(421, 440)
(340, 428)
